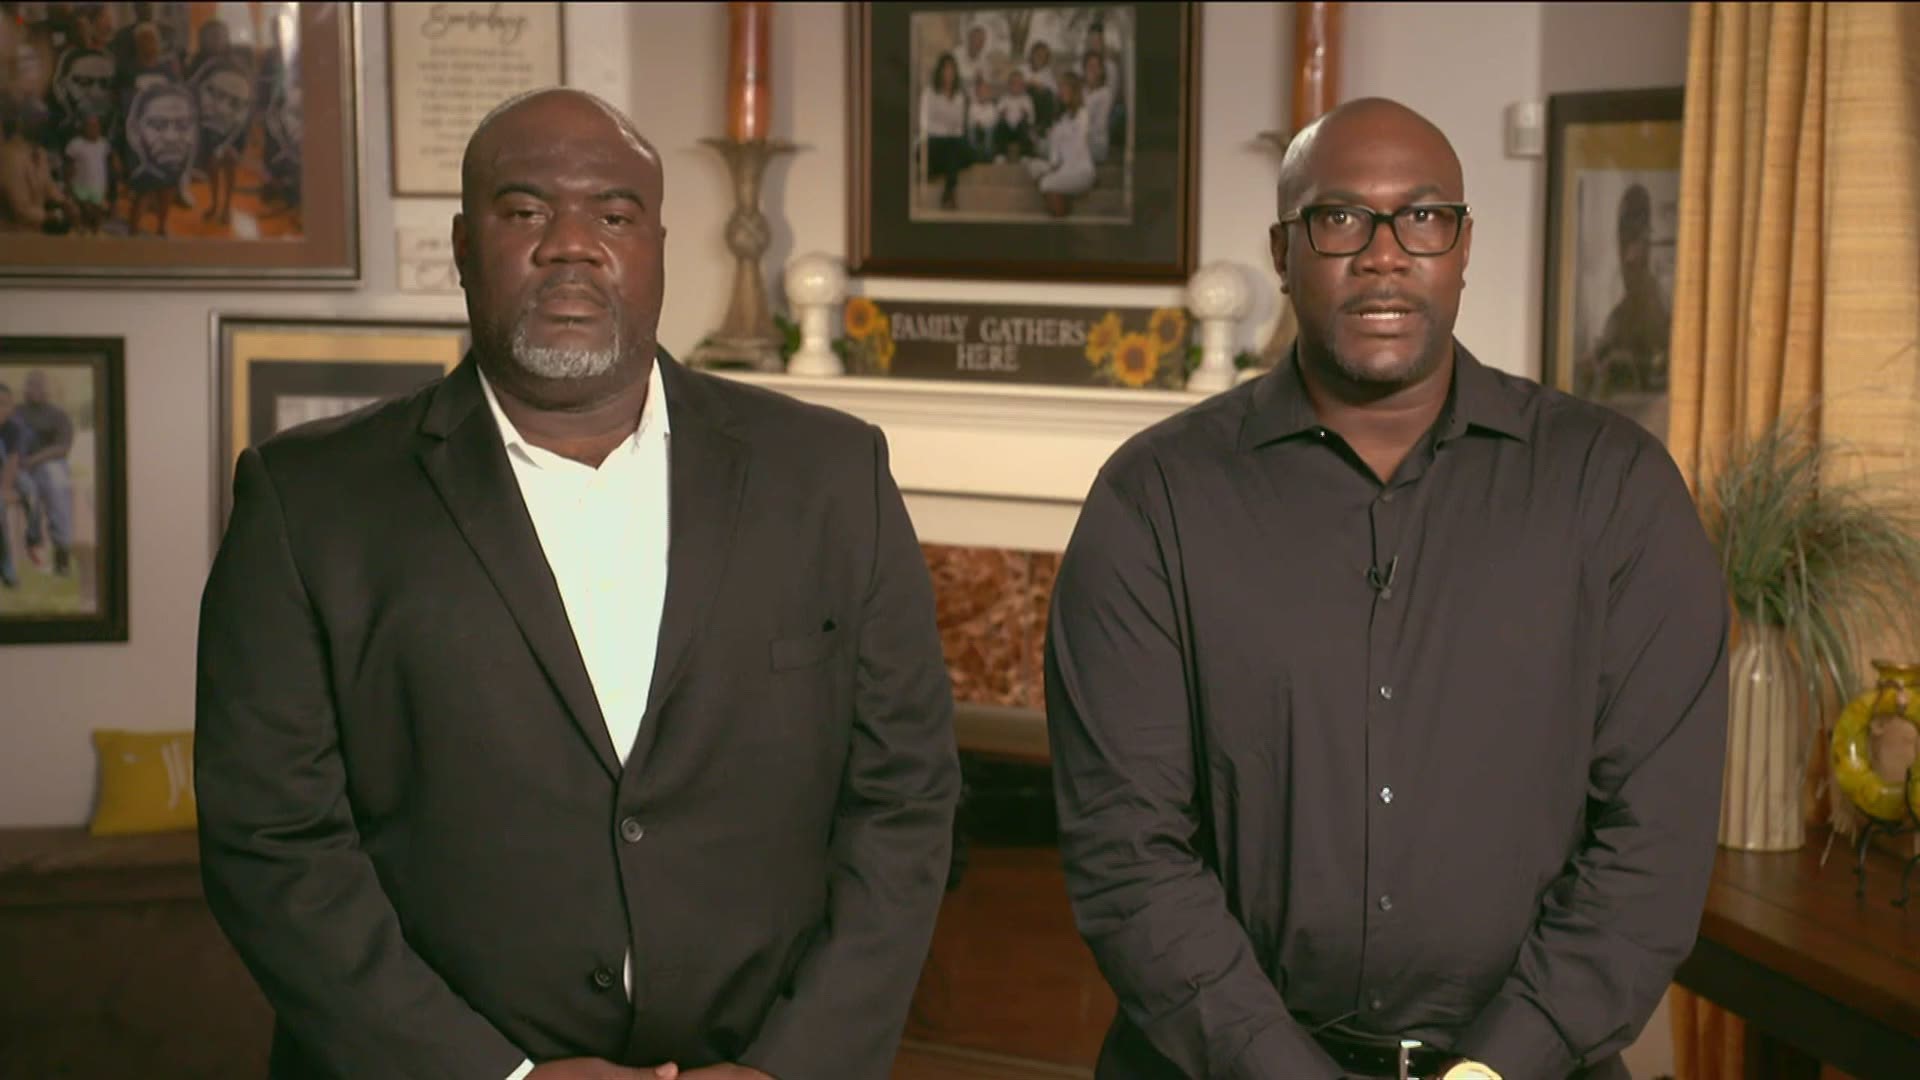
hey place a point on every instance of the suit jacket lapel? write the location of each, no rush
(708, 473)
(466, 460)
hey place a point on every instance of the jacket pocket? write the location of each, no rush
(804, 650)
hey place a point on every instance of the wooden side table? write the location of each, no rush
(1818, 974)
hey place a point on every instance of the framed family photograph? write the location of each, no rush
(448, 65)
(63, 490)
(1613, 223)
(167, 144)
(275, 374)
(1043, 141)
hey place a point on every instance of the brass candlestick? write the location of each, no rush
(747, 337)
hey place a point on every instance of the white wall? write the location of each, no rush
(1461, 65)
(666, 63)
(1609, 46)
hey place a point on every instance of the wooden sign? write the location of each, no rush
(1076, 346)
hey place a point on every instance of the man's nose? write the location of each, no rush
(569, 237)
(1383, 253)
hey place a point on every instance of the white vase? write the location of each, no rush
(1767, 741)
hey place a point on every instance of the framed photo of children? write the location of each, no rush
(1045, 141)
(63, 490)
(167, 144)
(1613, 224)
(274, 374)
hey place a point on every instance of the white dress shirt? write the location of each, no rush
(1016, 109)
(1068, 166)
(1041, 76)
(605, 535)
(1099, 108)
(943, 115)
(972, 67)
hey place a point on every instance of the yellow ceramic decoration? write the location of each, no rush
(1913, 793)
(1875, 742)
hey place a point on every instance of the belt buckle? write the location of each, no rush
(1407, 1047)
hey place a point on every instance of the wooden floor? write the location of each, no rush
(925, 1061)
(1009, 989)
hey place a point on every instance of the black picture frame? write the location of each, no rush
(70, 586)
(1138, 221)
(1612, 226)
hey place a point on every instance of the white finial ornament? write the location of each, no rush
(1217, 296)
(815, 283)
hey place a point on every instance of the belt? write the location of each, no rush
(1379, 1055)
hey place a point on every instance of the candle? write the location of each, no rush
(1316, 56)
(749, 94)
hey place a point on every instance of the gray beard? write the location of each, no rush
(551, 363)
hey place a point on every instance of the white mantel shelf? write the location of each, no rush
(994, 464)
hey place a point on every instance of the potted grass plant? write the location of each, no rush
(1817, 570)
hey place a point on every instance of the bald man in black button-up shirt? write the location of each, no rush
(1387, 692)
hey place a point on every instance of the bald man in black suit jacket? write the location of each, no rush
(441, 837)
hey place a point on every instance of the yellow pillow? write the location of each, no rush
(146, 782)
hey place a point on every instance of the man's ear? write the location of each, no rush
(1277, 243)
(460, 247)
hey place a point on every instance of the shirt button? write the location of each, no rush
(631, 830)
(1386, 794)
(1386, 903)
(1386, 692)
(603, 978)
(1376, 1003)
(1386, 496)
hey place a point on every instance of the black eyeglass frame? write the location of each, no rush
(1304, 217)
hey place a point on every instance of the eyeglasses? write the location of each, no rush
(1423, 229)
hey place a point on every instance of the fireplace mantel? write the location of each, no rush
(989, 464)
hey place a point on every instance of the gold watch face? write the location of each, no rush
(1470, 1070)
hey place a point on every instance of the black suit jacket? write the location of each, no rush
(413, 823)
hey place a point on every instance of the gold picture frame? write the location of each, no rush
(272, 374)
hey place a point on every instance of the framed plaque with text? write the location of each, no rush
(448, 65)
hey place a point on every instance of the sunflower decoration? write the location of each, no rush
(1168, 329)
(1101, 339)
(880, 347)
(862, 318)
(1135, 360)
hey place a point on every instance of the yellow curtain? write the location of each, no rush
(1797, 285)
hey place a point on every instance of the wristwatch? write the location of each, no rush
(1470, 1070)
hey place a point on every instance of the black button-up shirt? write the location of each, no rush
(1438, 758)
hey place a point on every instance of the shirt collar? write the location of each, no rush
(654, 420)
(1478, 398)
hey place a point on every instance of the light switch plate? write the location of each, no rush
(1526, 129)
